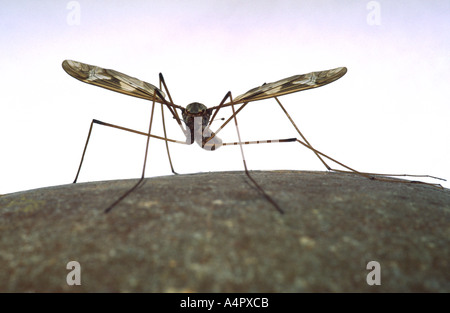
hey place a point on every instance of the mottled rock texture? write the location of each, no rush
(214, 232)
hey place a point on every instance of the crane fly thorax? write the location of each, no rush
(196, 117)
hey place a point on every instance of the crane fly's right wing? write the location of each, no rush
(290, 85)
(113, 80)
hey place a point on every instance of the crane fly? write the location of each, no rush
(197, 118)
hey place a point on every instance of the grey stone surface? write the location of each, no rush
(213, 232)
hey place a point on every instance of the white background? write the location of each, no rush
(388, 114)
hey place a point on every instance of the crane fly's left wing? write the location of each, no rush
(290, 85)
(112, 80)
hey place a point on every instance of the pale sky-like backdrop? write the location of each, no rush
(389, 114)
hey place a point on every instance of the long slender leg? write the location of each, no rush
(367, 175)
(319, 154)
(308, 145)
(291, 140)
(295, 126)
(228, 95)
(162, 82)
(258, 142)
(245, 166)
(172, 110)
(84, 151)
(374, 175)
(143, 168)
(94, 121)
(167, 142)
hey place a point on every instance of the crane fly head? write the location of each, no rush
(196, 117)
(194, 110)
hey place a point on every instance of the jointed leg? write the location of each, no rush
(296, 128)
(162, 82)
(245, 165)
(143, 168)
(375, 176)
(121, 128)
(175, 115)
(228, 95)
(167, 143)
(367, 175)
(84, 150)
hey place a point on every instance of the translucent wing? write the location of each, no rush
(291, 84)
(112, 80)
